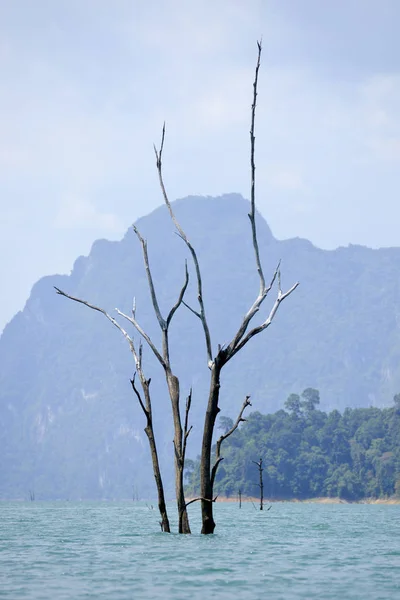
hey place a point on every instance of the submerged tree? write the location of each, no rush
(261, 483)
(215, 360)
(180, 433)
(145, 405)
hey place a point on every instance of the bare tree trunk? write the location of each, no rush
(157, 476)
(207, 474)
(173, 387)
(149, 431)
(261, 484)
(206, 480)
(183, 525)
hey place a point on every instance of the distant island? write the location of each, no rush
(308, 453)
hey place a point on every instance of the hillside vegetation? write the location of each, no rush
(309, 453)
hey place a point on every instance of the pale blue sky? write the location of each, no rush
(86, 85)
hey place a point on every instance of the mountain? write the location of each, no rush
(70, 426)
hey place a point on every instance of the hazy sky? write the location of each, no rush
(86, 84)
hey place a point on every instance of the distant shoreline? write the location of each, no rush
(225, 499)
(321, 500)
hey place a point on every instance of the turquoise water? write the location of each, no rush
(115, 551)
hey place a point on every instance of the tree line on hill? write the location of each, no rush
(309, 453)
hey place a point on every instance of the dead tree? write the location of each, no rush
(163, 357)
(217, 361)
(147, 409)
(261, 484)
(145, 406)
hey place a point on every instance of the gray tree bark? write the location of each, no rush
(149, 431)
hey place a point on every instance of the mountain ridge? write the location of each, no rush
(70, 424)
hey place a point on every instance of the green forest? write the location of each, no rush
(309, 453)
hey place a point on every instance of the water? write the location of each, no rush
(115, 551)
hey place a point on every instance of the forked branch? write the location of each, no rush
(131, 320)
(144, 335)
(102, 311)
(139, 397)
(250, 314)
(238, 341)
(146, 407)
(218, 457)
(182, 234)
(164, 323)
(279, 299)
(186, 428)
(145, 383)
(180, 297)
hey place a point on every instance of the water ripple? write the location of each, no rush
(116, 551)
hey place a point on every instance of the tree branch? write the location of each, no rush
(253, 173)
(102, 311)
(137, 356)
(146, 412)
(192, 310)
(180, 297)
(186, 431)
(280, 298)
(218, 457)
(189, 246)
(164, 324)
(238, 342)
(154, 300)
(201, 498)
(250, 314)
(144, 335)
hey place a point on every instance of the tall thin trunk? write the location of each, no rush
(183, 523)
(157, 476)
(261, 484)
(149, 431)
(173, 387)
(206, 484)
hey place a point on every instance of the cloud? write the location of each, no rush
(78, 213)
(286, 179)
(87, 84)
